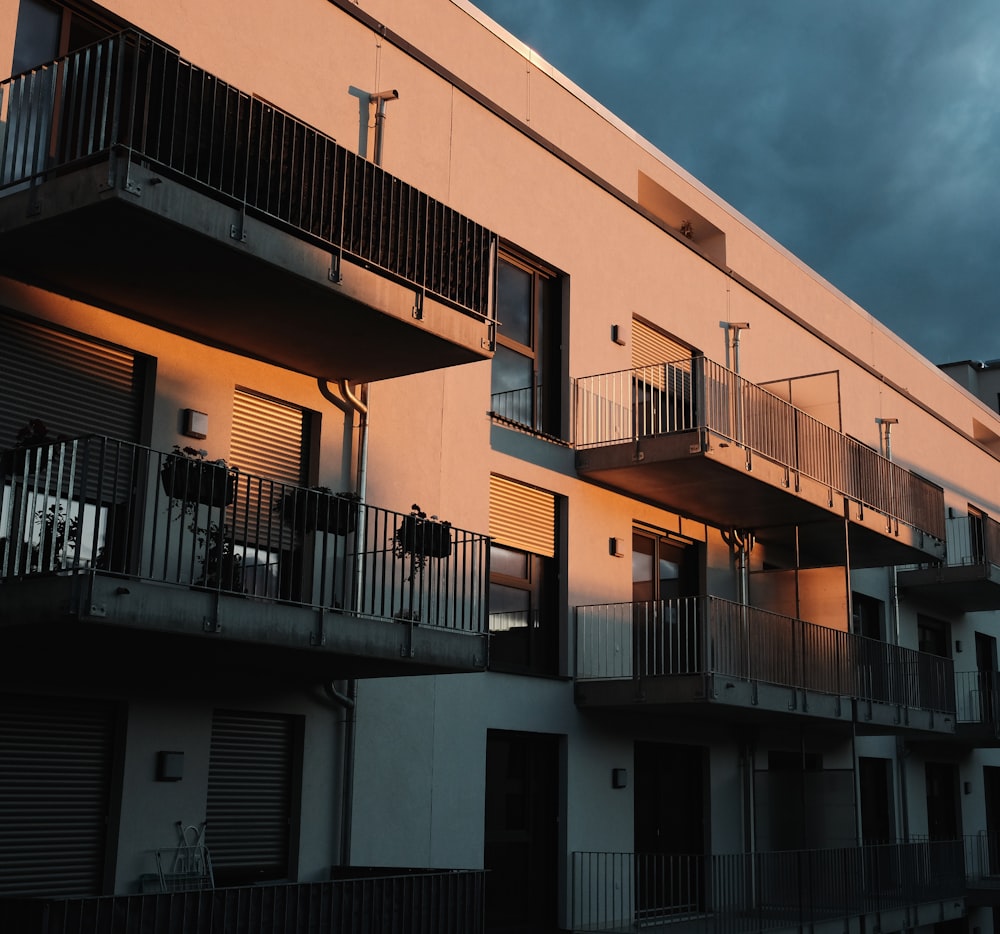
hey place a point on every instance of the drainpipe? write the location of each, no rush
(380, 99)
(347, 700)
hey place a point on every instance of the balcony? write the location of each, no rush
(109, 544)
(968, 580)
(442, 901)
(713, 658)
(982, 868)
(692, 436)
(888, 887)
(171, 196)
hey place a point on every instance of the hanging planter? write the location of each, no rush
(188, 478)
(319, 510)
(421, 537)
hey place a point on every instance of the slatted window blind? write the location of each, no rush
(522, 516)
(55, 772)
(249, 795)
(75, 385)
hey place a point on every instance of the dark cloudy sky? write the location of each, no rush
(863, 135)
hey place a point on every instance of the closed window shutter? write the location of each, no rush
(522, 516)
(248, 809)
(268, 438)
(651, 347)
(55, 772)
(76, 386)
(269, 446)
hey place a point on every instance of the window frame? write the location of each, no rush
(544, 351)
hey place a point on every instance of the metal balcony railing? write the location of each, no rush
(708, 635)
(131, 98)
(443, 902)
(977, 697)
(518, 406)
(98, 505)
(696, 393)
(972, 541)
(747, 892)
(982, 858)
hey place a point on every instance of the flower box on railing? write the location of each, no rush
(196, 482)
(424, 538)
(319, 510)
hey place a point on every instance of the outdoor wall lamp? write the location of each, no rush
(958, 645)
(616, 335)
(169, 766)
(619, 778)
(195, 424)
(616, 548)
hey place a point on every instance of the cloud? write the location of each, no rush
(862, 135)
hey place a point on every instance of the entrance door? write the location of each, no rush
(986, 666)
(875, 779)
(664, 572)
(943, 819)
(521, 833)
(991, 793)
(670, 828)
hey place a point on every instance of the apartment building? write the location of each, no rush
(425, 504)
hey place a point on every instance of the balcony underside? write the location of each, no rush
(966, 588)
(158, 626)
(174, 257)
(735, 701)
(726, 486)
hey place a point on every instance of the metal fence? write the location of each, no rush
(691, 393)
(96, 504)
(708, 635)
(415, 903)
(976, 696)
(748, 892)
(972, 540)
(133, 98)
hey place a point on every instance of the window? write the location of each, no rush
(661, 382)
(524, 615)
(527, 365)
(46, 31)
(866, 616)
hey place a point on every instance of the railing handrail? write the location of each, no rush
(756, 419)
(115, 96)
(761, 890)
(96, 504)
(706, 635)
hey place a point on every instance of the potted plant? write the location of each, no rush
(319, 509)
(420, 538)
(33, 434)
(221, 564)
(189, 477)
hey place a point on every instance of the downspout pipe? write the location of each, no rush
(347, 699)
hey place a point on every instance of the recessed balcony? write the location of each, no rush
(886, 887)
(968, 579)
(173, 197)
(709, 657)
(105, 544)
(692, 436)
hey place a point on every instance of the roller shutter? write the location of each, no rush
(522, 516)
(269, 443)
(76, 385)
(55, 779)
(250, 794)
(651, 347)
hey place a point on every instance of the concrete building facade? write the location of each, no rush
(410, 471)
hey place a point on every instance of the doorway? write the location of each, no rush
(671, 827)
(875, 785)
(943, 809)
(521, 833)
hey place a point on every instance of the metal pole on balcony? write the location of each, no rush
(380, 99)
